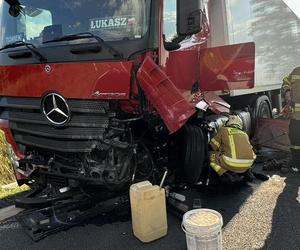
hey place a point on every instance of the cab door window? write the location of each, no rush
(34, 21)
(170, 20)
(172, 40)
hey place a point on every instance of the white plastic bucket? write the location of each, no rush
(203, 229)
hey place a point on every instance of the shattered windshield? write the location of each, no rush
(39, 21)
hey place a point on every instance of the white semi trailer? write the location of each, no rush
(274, 27)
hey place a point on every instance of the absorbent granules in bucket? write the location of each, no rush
(203, 219)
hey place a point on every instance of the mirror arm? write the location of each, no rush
(173, 44)
(178, 39)
(12, 2)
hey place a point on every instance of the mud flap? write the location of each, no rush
(272, 133)
(164, 96)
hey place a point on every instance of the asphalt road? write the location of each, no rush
(116, 233)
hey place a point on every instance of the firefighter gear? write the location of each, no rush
(286, 86)
(232, 150)
(235, 121)
(292, 84)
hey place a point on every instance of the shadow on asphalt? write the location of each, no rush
(225, 199)
(285, 234)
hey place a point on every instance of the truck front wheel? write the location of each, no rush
(192, 152)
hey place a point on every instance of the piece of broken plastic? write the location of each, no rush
(197, 204)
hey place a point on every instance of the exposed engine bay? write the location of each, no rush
(113, 160)
(98, 145)
(109, 165)
(69, 142)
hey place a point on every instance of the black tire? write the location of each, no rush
(193, 152)
(263, 108)
(246, 119)
(260, 109)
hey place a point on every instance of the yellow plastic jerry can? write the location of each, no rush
(148, 210)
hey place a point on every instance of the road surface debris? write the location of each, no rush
(249, 228)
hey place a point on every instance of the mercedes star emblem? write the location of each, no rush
(48, 69)
(56, 109)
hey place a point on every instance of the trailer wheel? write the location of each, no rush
(260, 109)
(193, 152)
(263, 108)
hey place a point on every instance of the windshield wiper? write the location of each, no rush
(83, 35)
(29, 46)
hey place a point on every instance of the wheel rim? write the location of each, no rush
(264, 111)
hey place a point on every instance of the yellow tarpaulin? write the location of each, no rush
(6, 169)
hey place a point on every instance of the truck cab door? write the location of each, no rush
(227, 68)
(182, 35)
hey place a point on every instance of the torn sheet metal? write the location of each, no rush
(216, 103)
(173, 108)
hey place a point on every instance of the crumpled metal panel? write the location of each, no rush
(228, 67)
(216, 103)
(173, 108)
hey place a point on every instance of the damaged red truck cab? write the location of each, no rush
(106, 92)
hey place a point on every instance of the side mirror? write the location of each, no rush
(14, 7)
(15, 10)
(189, 17)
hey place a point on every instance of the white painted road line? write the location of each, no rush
(8, 212)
